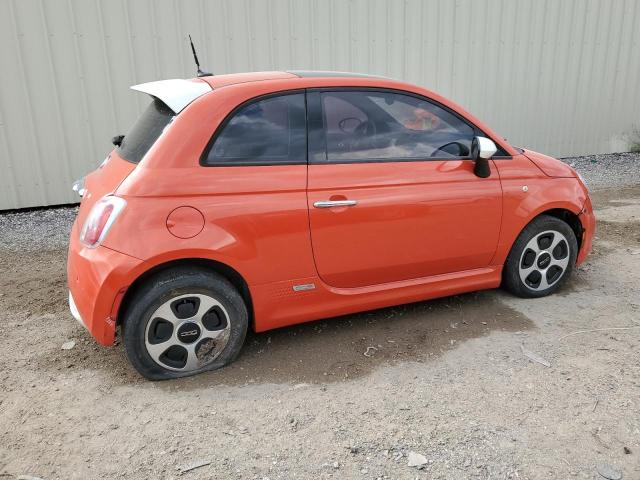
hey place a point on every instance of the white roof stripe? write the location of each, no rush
(176, 93)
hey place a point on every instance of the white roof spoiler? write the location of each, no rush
(176, 93)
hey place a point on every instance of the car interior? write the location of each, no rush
(370, 125)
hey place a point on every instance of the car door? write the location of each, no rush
(391, 191)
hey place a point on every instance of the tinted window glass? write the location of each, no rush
(145, 131)
(265, 132)
(389, 126)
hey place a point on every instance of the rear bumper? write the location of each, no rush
(97, 279)
(588, 220)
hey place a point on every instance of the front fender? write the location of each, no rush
(525, 196)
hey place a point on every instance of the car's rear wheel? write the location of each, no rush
(541, 259)
(183, 322)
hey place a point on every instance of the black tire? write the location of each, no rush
(511, 274)
(159, 290)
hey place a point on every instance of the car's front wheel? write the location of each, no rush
(183, 322)
(541, 259)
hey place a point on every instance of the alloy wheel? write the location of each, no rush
(187, 332)
(544, 260)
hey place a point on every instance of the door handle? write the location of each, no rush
(335, 203)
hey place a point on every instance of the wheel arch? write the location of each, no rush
(567, 216)
(226, 271)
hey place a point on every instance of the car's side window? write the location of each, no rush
(388, 126)
(269, 131)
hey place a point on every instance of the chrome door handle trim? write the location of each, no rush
(335, 203)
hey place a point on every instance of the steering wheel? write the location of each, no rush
(365, 129)
(343, 123)
(463, 150)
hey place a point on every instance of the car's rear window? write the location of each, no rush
(145, 131)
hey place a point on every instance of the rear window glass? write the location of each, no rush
(144, 133)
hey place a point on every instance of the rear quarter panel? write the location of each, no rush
(256, 218)
(255, 221)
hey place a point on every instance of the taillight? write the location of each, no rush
(100, 219)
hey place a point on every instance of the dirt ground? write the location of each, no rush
(448, 379)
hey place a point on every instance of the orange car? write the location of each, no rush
(268, 199)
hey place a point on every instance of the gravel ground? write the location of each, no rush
(38, 229)
(450, 379)
(606, 171)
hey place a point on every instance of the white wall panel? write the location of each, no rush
(561, 77)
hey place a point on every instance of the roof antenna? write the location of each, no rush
(195, 57)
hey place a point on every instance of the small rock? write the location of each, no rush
(370, 351)
(609, 472)
(627, 450)
(68, 345)
(417, 460)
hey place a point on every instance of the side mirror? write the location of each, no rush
(482, 149)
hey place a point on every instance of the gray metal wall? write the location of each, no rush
(557, 76)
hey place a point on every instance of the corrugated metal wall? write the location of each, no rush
(557, 76)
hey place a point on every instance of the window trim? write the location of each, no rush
(220, 128)
(316, 137)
